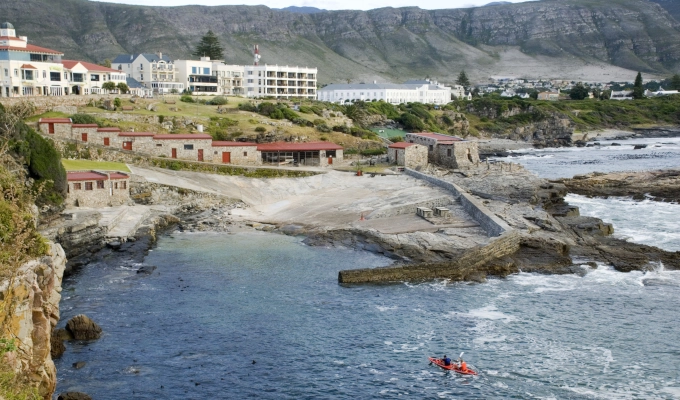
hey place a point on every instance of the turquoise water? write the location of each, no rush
(217, 302)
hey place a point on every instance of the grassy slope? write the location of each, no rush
(82, 165)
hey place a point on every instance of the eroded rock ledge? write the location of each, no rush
(663, 185)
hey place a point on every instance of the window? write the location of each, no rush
(159, 145)
(65, 75)
(6, 72)
(250, 72)
(115, 185)
(448, 152)
(88, 185)
(77, 186)
(206, 71)
(16, 72)
(100, 184)
(188, 147)
(141, 77)
(250, 81)
(431, 147)
(123, 185)
(245, 154)
(193, 70)
(55, 76)
(27, 74)
(141, 66)
(94, 78)
(44, 74)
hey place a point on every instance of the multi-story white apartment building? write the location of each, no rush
(282, 82)
(88, 78)
(229, 78)
(410, 92)
(154, 71)
(197, 76)
(29, 70)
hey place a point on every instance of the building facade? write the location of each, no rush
(417, 91)
(154, 71)
(408, 155)
(450, 151)
(280, 81)
(197, 76)
(29, 70)
(97, 189)
(238, 153)
(87, 78)
(229, 78)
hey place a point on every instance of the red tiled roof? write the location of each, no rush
(183, 136)
(69, 64)
(28, 66)
(85, 126)
(32, 49)
(438, 136)
(108, 130)
(309, 146)
(54, 121)
(136, 134)
(94, 176)
(401, 145)
(228, 144)
(118, 175)
(85, 176)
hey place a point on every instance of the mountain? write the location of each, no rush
(497, 3)
(672, 6)
(573, 39)
(301, 10)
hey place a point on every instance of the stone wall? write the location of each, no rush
(492, 224)
(413, 156)
(60, 129)
(77, 132)
(125, 117)
(115, 192)
(141, 144)
(457, 155)
(166, 146)
(34, 299)
(53, 103)
(239, 155)
(464, 268)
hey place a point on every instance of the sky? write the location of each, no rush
(323, 4)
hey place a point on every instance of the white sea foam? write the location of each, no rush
(480, 340)
(386, 308)
(490, 313)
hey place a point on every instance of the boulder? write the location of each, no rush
(83, 328)
(146, 269)
(79, 364)
(74, 396)
(57, 347)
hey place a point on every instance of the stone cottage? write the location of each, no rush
(60, 127)
(408, 155)
(450, 151)
(319, 154)
(97, 189)
(135, 141)
(195, 147)
(84, 131)
(239, 153)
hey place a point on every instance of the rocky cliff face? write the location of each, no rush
(33, 312)
(388, 43)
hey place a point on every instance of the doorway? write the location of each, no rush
(226, 157)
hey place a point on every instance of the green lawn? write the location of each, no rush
(389, 133)
(80, 165)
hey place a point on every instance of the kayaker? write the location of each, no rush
(462, 365)
(447, 361)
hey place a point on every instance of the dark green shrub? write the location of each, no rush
(260, 129)
(117, 102)
(318, 122)
(186, 99)
(323, 128)
(83, 119)
(218, 101)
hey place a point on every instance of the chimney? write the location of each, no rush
(24, 38)
(160, 55)
(205, 58)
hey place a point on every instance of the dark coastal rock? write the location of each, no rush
(640, 146)
(114, 245)
(146, 269)
(57, 347)
(79, 364)
(73, 396)
(83, 328)
(616, 144)
(293, 230)
(662, 185)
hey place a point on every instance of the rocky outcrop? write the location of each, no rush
(83, 328)
(555, 131)
(661, 185)
(33, 311)
(73, 396)
(79, 237)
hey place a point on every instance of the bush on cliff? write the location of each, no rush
(83, 119)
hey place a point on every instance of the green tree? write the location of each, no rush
(638, 89)
(209, 46)
(579, 92)
(123, 87)
(412, 123)
(463, 79)
(109, 86)
(106, 63)
(675, 82)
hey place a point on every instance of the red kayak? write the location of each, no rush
(453, 367)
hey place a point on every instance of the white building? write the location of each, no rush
(154, 71)
(458, 91)
(197, 76)
(280, 81)
(410, 92)
(229, 78)
(88, 78)
(29, 70)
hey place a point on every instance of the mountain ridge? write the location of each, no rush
(548, 38)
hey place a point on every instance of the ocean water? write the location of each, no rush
(218, 302)
(565, 162)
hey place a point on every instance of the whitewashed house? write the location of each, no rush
(197, 76)
(280, 81)
(416, 91)
(154, 71)
(88, 78)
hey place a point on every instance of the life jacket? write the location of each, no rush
(463, 366)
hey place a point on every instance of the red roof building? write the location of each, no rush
(195, 136)
(400, 145)
(233, 144)
(293, 147)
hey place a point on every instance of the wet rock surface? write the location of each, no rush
(73, 396)
(82, 327)
(661, 185)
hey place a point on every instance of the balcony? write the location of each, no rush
(202, 79)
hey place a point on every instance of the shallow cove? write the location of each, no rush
(217, 302)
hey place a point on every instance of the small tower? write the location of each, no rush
(7, 30)
(256, 55)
